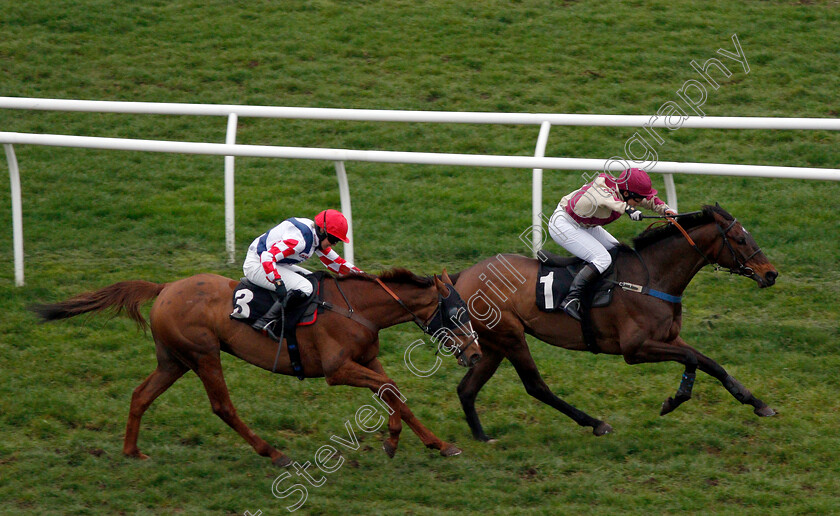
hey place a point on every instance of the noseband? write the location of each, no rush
(742, 270)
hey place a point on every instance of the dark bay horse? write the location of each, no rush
(190, 325)
(641, 328)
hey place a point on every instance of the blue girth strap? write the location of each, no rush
(650, 292)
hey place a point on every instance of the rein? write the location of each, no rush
(419, 322)
(742, 269)
(425, 325)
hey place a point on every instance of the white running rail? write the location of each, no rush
(230, 149)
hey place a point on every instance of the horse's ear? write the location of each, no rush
(441, 287)
(446, 278)
(717, 204)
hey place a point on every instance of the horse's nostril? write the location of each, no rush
(474, 359)
(770, 277)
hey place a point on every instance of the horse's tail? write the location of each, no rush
(125, 295)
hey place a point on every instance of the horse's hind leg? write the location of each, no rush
(167, 372)
(526, 368)
(209, 370)
(472, 382)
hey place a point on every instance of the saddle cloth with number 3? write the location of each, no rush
(250, 302)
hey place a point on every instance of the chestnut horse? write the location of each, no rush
(639, 327)
(190, 325)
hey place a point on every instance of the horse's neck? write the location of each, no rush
(377, 305)
(673, 263)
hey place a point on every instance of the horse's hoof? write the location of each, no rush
(137, 455)
(281, 461)
(485, 438)
(667, 406)
(450, 451)
(389, 448)
(765, 411)
(602, 428)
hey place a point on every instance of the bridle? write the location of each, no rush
(433, 325)
(742, 270)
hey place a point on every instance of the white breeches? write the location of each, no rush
(590, 244)
(292, 275)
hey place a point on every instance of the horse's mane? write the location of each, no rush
(395, 275)
(656, 234)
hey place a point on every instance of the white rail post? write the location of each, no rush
(671, 191)
(536, 189)
(230, 231)
(344, 192)
(17, 213)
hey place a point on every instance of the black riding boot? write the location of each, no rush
(266, 322)
(571, 305)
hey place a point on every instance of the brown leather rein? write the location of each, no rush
(423, 325)
(743, 269)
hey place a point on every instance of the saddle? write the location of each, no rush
(554, 279)
(556, 275)
(250, 302)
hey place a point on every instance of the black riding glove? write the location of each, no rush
(280, 289)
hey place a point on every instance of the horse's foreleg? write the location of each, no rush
(429, 439)
(655, 351)
(162, 378)
(472, 382)
(741, 393)
(356, 375)
(209, 370)
(527, 370)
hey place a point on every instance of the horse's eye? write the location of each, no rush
(742, 240)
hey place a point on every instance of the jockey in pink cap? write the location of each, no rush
(272, 257)
(577, 223)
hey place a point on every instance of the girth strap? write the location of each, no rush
(632, 287)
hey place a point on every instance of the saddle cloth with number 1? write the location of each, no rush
(556, 275)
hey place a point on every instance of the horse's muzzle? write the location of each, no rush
(768, 280)
(469, 361)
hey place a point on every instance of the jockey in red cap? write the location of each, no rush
(272, 257)
(577, 223)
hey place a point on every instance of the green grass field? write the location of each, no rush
(92, 218)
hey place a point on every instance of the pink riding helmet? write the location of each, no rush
(636, 181)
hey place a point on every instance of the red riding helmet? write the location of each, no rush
(332, 222)
(636, 181)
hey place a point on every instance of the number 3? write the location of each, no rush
(242, 298)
